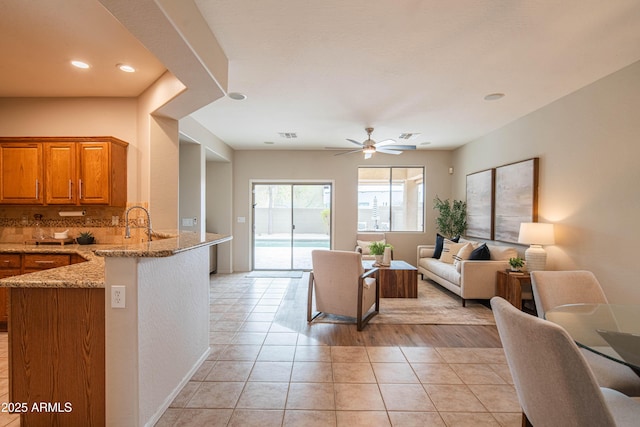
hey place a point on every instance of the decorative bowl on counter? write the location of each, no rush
(61, 235)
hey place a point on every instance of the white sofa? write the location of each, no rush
(473, 279)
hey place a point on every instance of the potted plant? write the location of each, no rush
(516, 263)
(377, 249)
(452, 221)
(85, 238)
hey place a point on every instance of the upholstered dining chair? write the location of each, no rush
(554, 383)
(342, 286)
(554, 288)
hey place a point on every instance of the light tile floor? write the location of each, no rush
(6, 419)
(260, 373)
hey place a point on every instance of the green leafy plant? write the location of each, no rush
(377, 248)
(516, 262)
(452, 221)
(85, 238)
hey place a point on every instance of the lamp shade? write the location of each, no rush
(536, 233)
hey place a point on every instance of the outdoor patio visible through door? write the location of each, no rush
(289, 221)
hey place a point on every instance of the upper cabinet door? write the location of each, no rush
(61, 183)
(21, 173)
(94, 173)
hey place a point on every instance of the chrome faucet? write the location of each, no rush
(127, 230)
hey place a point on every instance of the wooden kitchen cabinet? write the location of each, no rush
(102, 173)
(76, 170)
(21, 173)
(16, 264)
(38, 262)
(61, 176)
(9, 266)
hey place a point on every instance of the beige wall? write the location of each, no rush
(152, 155)
(342, 170)
(75, 117)
(589, 176)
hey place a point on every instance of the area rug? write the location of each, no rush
(284, 274)
(434, 306)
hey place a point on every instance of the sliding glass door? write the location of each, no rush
(289, 221)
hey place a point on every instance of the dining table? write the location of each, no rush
(611, 330)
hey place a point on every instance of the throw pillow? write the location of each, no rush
(439, 245)
(364, 244)
(449, 249)
(463, 254)
(481, 253)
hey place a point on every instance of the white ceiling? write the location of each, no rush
(327, 69)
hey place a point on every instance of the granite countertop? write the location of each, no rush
(90, 274)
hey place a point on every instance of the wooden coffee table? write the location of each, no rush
(399, 280)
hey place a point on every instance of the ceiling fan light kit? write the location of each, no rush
(370, 147)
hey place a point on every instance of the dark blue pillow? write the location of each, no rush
(440, 243)
(481, 253)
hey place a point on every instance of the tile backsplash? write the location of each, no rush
(18, 224)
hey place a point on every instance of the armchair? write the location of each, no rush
(342, 286)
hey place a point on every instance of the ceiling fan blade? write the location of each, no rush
(367, 155)
(348, 152)
(387, 151)
(355, 142)
(385, 142)
(402, 147)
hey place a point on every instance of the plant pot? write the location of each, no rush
(379, 259)
(85, 240)
(516, 269)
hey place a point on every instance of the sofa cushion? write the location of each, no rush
(441, 269)
(463, 254)
(481, 253)
(449, 250)
(439, 244)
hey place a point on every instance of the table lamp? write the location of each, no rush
(536, 234)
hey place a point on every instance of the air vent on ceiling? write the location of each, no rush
(288, 135)
(407, 135)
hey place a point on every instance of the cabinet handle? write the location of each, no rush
(44, 262)
(80, 188)
(69, 189)
(6, 261)
(37, 189)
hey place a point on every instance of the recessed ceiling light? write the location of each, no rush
(269, 142)
(126, 68)
(494, 96)
(80, 64)
(237, 96)
(425, 143)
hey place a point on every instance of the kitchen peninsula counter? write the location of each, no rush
(68, 342)
(90, 274)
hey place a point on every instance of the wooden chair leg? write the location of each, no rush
(525, 421)
(310, 297)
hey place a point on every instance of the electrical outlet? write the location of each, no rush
(115, 220)
(117, 296)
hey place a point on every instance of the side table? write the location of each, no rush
(510, 286)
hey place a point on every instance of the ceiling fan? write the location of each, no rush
(369, 147)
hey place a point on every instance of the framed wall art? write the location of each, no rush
(516, 198)
(480, 204)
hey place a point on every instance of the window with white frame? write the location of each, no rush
(390, 198)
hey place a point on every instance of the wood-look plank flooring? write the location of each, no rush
(292, 314)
